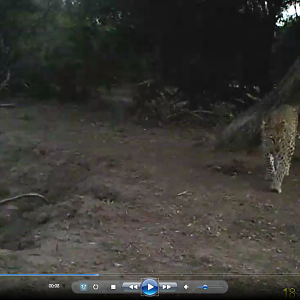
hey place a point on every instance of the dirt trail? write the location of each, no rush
(125, 199)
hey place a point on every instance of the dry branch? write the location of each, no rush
(22, 196)
(4, 83)
(8, 104)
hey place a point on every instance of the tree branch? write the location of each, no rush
(4, 83)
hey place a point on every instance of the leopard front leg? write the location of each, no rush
(289, 158)
(283, 164)
(288, 166)
(270, 166)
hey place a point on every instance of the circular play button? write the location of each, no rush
(149, 287)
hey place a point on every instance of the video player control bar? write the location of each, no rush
(150, 287)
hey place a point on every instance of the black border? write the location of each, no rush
(68, 294)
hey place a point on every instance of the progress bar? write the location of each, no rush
(23, 275)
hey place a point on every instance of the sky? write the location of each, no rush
(291, 11)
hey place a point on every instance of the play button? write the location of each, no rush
(149, 287)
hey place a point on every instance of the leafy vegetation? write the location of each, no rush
(211, 50)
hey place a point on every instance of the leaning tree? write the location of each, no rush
(244, 132)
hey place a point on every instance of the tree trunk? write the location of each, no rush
(244, 132)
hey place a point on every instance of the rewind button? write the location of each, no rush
(131, 286)
(168, 287)
(134, 287)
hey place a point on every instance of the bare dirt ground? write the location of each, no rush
(132, 200)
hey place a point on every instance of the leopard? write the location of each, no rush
(279, 131)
